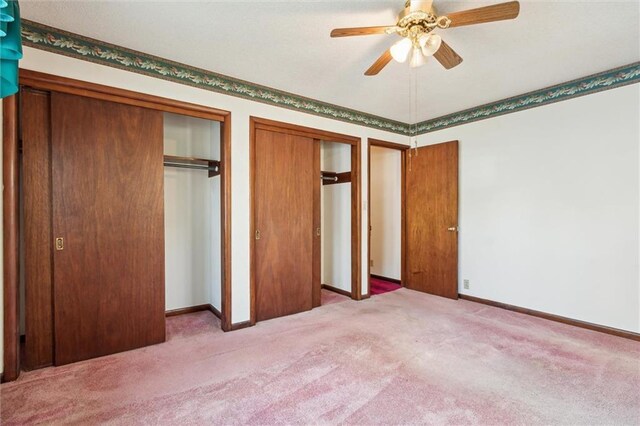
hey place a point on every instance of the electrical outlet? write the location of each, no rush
(465, 284)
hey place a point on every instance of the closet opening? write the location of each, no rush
(386, 216)
(192, 218)
(86, 168)
(292, 169)
(335, 222)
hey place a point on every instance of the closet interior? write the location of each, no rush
(335, 202)
(192, 207)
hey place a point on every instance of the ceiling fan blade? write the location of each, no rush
(361, 31)
(447, 56)
(481, 15)
(380, 63)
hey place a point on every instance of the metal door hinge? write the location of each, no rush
(59, 243)
(452, 229)
(318, 232)
(257, 234)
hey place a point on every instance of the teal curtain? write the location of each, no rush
(10, 46)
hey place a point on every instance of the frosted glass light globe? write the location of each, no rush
(400, 50)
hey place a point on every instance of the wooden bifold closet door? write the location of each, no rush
(285, 176)
(107, 225)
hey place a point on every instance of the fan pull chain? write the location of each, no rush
(413, 127)
(415, 111)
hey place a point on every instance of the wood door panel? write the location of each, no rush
(107, 178)
(431, 209)
(284, 179)
(317, 222)
(38, 267)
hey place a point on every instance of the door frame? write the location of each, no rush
(257, 123)
(403, 173)
(10, 196)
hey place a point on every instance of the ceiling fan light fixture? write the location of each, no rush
(417, 58)
(400, 50)
(431, 44)
(422, 40)
(415, 25)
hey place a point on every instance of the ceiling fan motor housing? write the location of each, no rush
(415, 24)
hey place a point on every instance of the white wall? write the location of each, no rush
(192, 215)
(241, 109)
(549, 207)
(336, 218)
(386, 208)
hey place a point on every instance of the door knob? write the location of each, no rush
(452, 229)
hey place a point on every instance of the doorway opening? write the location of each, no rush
(386, 216)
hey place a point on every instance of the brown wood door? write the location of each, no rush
(107, 193)
(317, 223)
(432, 220)
(284, 178)
(36, 201)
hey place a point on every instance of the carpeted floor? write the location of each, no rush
(328, 297)
(398, 358)
(379, 286)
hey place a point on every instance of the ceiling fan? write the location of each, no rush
(416, 24)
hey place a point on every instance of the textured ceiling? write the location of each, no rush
(286, 45)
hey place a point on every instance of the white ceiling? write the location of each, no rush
(286, 45)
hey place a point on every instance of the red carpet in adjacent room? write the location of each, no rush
(379, 286)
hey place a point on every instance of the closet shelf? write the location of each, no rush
(213, 166)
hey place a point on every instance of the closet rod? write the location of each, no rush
(212, 166)
(191, 166)
(332, 178)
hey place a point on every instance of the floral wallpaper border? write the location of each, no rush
(607, 80)
(65, 43)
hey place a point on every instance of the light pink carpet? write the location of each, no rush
(328, 297)
(398, 358)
